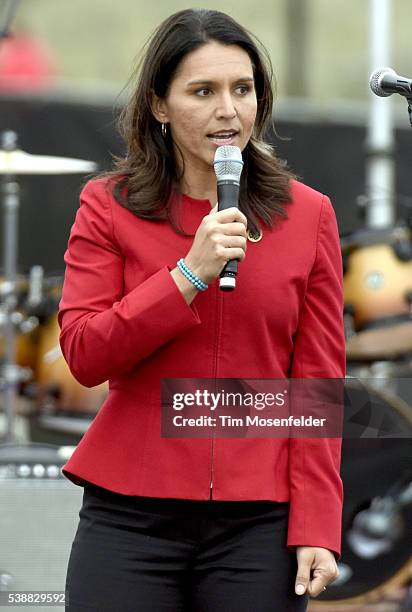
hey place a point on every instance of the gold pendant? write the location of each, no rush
(255, 236)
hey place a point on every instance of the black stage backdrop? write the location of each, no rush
(328, 156)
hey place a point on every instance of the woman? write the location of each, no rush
(200, 524)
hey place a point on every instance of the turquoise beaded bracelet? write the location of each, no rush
(187, 272)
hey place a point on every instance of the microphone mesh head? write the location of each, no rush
(375, 81)
(228, 163)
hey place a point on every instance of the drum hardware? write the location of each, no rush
(25, 325)
(362, 201)
(403, 250)
(348, 317)
(34, 305)
(36, 278)
(10, 373)
(376, 236)
(376, 529)
(404, 201)
(14, 161)
(377, 512)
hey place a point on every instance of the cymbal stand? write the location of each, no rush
(10, 373)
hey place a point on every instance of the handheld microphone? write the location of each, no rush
(385, 82)
(228, 165)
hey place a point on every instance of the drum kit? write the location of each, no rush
(377, 475)
(32, 364)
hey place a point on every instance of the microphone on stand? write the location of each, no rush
(385, 82)
(228, 165)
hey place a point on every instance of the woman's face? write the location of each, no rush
(211, 102)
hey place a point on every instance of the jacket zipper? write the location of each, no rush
(218, 331)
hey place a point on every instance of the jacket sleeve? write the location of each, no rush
(105, 333)
(316, 490)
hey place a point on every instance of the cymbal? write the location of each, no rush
(19, 162)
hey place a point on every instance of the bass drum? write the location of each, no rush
(64, 408)
(376, 556)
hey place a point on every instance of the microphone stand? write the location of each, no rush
(10, 373)
(410, 110)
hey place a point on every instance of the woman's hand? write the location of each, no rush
(323, 563)
(220, 237)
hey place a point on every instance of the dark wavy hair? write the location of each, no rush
(148, 175)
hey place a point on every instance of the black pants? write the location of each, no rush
(143, 554)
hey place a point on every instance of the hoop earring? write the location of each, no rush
(164, 130)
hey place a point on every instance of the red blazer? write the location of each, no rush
(124, 320)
